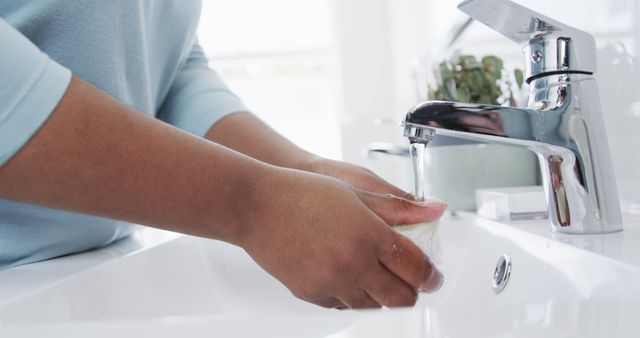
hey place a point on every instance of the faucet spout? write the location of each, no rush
(562, 125)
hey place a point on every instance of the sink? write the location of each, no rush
(174, 285)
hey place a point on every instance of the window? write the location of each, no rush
(278, 56)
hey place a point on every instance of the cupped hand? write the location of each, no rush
(369, 184)
(354, 175)
(331, 244)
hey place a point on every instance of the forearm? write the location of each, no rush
(330, 244)
(96, 156)
(246, 133)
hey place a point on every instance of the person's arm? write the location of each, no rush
(65, 144)
(94, 155)
(97, 156)
(246, 133)
(200, 102)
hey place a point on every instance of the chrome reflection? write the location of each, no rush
(562, 124)
(502, 273)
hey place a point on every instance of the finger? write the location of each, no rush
(330, 303)
(400, 256)
(376, 184)
(359, 299)
(396, 211)
(389, 290)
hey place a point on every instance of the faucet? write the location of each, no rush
(562, 124)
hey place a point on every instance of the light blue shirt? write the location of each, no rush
(142, 52)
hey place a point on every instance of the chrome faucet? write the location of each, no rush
(563, 123)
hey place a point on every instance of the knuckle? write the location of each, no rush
(360, 299)
(366, 304)
(405, 298)
(322, 304)
(386, 290)
(326, 282)
(342, 265)
(301, 295)
(399, 202)
(353, 265)
(358, 303)
(305, 294)
(329, 303)
(405, 204)
(317, 288)
(408, 196)
(401, 208)
(395, 294)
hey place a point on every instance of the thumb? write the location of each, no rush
(397, 211)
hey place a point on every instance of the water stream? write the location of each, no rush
(417, 162)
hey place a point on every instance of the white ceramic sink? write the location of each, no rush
(164, 285)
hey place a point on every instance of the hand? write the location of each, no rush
(246, 133)
(360, 178)
(330, 244)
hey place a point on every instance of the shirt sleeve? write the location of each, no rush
(31, 86)
(198, 96)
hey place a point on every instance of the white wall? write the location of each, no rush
(376, 41)
(278, 56)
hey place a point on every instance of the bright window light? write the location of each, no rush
(278, 57)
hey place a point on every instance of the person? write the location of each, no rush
(110, 116)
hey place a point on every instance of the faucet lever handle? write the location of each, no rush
(548, 45)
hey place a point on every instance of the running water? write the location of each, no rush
(417, 162)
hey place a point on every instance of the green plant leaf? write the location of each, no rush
(462, 78)
(519, 76)
(475, 81)
(464, 94)
(449, 90)
(487, 98)
(446, 73)
(469, 62)
(493, 65)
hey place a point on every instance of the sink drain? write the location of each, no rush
(502, 273)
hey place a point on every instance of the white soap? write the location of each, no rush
(426, 236)
(513, 203)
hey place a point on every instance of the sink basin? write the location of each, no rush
(173, 285)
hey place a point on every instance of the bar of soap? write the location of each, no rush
(512, 204)
(426, 236)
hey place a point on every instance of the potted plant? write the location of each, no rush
(453, 173)
(463, 79)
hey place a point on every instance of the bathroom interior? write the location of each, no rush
(542, 232)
